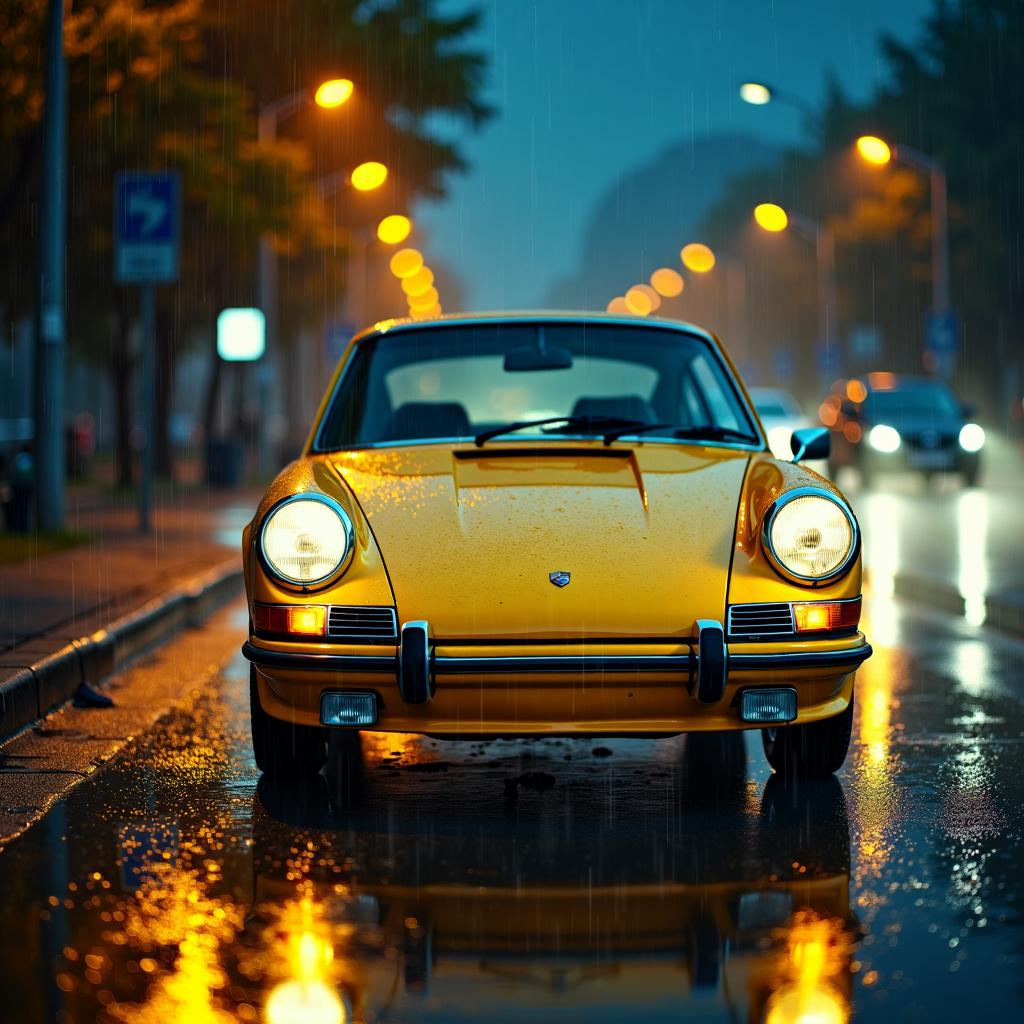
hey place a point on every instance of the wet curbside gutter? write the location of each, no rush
(45, 672)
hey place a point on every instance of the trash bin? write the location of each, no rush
(225, 462)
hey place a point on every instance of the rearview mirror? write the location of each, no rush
(524, 360)
(810, 443)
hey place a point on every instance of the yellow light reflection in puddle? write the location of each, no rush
(877, 795)
(972, 544)
(307, 995)
(304, 1002)
(817, 955)
(174, 908)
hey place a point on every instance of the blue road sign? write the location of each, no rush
(942, 334)
(147, 227)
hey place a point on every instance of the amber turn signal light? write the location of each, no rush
(826, 616)
(300, 620)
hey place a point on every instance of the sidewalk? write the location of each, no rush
(73, 616)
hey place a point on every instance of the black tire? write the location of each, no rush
(283, 748)
(811, 751)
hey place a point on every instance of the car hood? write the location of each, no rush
(469, 536)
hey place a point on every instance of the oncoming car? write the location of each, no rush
(550, 524)
(891, 422)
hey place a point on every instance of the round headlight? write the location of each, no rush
(972, 437)
(884, 438)
(305, 539)
(810, 535)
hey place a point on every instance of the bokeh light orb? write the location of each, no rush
(394, 229)
(637, 301)
(406, 262)
(697, 257)
(771, 217)
(668, 282)
(369, 175)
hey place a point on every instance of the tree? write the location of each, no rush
(176, 84)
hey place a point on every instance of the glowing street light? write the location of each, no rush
(328, 96)
(878, 152)
(668, 282)
(423, 301)
(418, 283)
(697, 257)
(406, 262)
(394, 229)
(368, 176)
(333, 93)
(638, 302)
(617, 305)
(771, 217)
(874, 150)
(757, 94)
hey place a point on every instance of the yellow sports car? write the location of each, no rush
(550, 524)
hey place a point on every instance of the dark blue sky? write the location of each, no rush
(586, 89)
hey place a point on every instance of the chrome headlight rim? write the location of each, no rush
(305, 586)
(777, 564)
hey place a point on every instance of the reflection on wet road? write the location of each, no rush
(553, 880)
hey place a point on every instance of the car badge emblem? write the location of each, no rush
(560, 579)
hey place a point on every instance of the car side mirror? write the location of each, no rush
(810, 443)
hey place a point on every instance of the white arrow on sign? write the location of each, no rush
(152, 211)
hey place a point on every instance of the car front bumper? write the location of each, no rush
(593, 689)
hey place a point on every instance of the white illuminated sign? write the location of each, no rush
(241, 335)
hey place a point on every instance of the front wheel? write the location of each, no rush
(811, 751)
(283, 748)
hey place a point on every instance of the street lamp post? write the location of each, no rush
(364, 178)
(48, 382)
(774, 218)
(330, 94)
(876, 151)
(760, 94)
(701, 260)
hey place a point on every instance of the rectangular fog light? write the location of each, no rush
(775, 705)
(348, 709)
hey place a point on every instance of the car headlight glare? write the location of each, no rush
(304, 540)
(811, 536)
(884, 438)
(972, 437)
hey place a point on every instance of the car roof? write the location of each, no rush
(531, 316)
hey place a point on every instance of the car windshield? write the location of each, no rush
(458, 381)
(916, 400)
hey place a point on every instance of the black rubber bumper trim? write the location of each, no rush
(679, 663)
(800, 659)
(320, 662)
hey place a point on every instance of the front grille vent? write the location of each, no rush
(761, 620)
(359, 623)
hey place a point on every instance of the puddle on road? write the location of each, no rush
(422, 881)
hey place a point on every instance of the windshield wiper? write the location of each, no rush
(704, 432)
(569, 424)
(709, 432)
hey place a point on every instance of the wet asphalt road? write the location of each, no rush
(550, 880)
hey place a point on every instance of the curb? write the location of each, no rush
(52, 671)
(1003, 611)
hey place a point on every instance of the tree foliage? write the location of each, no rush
(954, 94)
